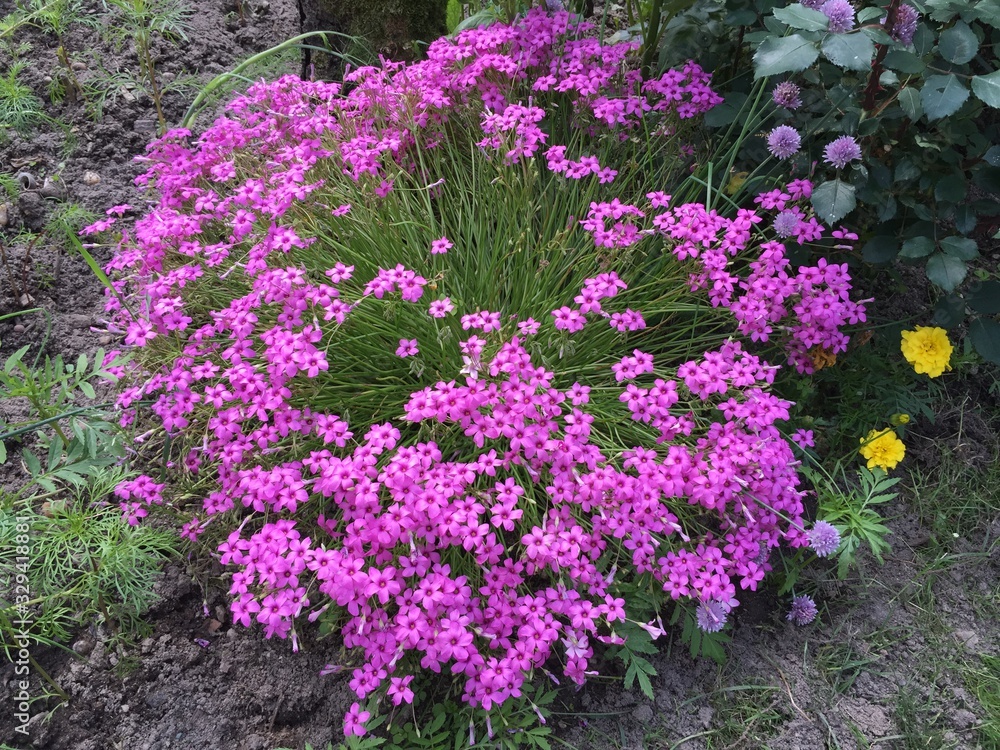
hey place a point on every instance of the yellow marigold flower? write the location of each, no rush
(882, 449)
(928, 350)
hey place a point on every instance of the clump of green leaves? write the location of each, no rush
(20, 109)
(86, 563)
(140, 22)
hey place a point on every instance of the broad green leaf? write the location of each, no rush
(799, 16)
(833, 200)
(985, 335)
(727, 112)
(965, 218)
(987, 88)
(745, 17)
(880, 249)
(869, 14)
(951, 188)
(909, 100)
(849, 51)
(958, 44)
(943, 95)
(790, 54)
(945, 271)
(917, 247)
(904, 62)
(949, 311)
(992, 156)
(960, 247)
(986, 299)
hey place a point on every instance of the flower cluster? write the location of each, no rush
(928, 350)
(489, 522)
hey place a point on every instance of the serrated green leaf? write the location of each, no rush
(904, 62)
(917, 247)
(962, 248)
(798, 16)
(909, 102)
(992, 156)
(790, 54)
(945, 271)
(32, 463)
(951, 188)
(55, 453)
(833, 200)
(987, 88)
(985, 335)
(880, 249)
(849, 51)
(986, 298)
(949, 311)
(869, 14)
(958, 44)
(943, 95)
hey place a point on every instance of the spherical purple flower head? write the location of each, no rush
(841, 151)
(711, 616)
(906, 24)
(803, 610)
(786, 94)
(841, 15)
(824, 538)
(783, 141)
(785, 223)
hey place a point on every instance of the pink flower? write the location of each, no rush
(407, 348)
(354, 721)
(441, 246)
(440, 308)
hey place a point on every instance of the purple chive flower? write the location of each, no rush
(785, 223)
(783, 141)
(786, 94)
(803, 610)
(841, 15)
(711, 616)
(824, 538)
(841, 151)
(906, 24)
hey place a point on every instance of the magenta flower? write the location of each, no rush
(440, 308)
(804, 438)
(354, 721)
(407, 348)
(441, 246)
(840, 152)
(784, 141)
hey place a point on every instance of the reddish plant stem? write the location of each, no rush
(873, 87)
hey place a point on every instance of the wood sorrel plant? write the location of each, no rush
(444, 367)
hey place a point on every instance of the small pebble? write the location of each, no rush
(91, 178)
(79, 65)
(19, 328)
(4, 214)
(104, 340)
(144, 126)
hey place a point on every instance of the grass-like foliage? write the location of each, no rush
(19, 107)
(444, 368)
